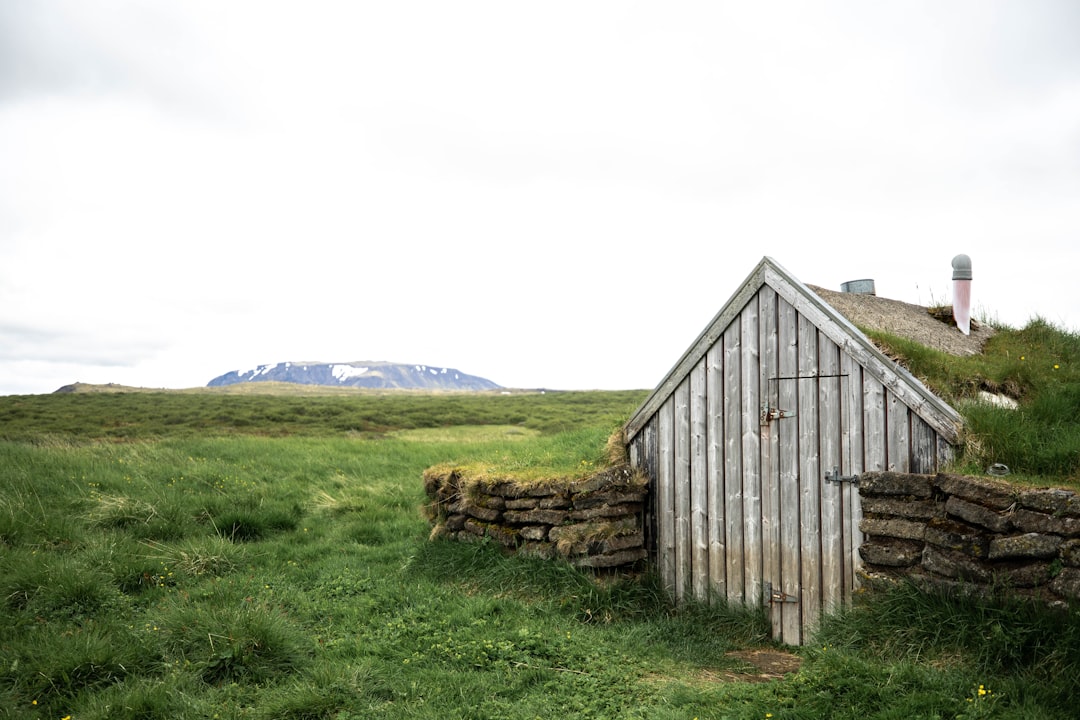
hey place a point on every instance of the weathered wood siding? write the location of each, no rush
(741, 507)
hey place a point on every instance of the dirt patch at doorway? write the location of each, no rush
(744, 666)
(763, 665)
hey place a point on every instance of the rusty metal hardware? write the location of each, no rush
(769, 414)
(836, 477)
(772, 596)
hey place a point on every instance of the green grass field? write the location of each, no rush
(202, 555)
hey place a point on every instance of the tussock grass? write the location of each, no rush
(213, 556)
(266, 572)
(1017, 643)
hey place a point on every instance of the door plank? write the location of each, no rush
(809, 475)
(770, 445)
(873, 424)
(852, 451)
(665, 481)
(699, 487)
(831, 430)
(714, 382)
(923, 447)
(751, 453)
(788, 472)
(682, 489)
(733, 461)
(898, 435)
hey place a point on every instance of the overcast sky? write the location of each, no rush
(556, 194)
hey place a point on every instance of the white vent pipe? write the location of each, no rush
(961, 276)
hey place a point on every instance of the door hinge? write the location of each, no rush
(778, 597)
(836, 477)
(769, 414)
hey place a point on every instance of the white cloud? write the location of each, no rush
(194, 187)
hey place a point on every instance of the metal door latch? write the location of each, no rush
(770, 413)
(836, 477)
(778, 597)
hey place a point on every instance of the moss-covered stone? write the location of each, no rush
(978, 515)
(994, 494)
(1031, 521)
(1053, 501)
(1027, 546)
(901, 484)
(894, 528)
(954, 565)
(958, 537)
(1069, 552)
(907, 509)
(892, 553)
(1067, 583)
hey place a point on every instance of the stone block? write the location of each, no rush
(620, 476)
(1023, 575)
(954, 588)
(1053, 501)
(891, 483)
(515, 489)
(1031, 521)
(909, 509)
(480, 512)
(578, 538)
(977, 515)
(893, 527)
(536, 516)
(621, 542)
(954, 565)
(957, 536)
(1069, 552)
(555, 502)
(484, 500)
(605, 511)
(454, 523)
(1067, 583)
(535, 532)
(505, 536)
(473, 527)
(524, 503)
(897, 553)
(616, 497)
(616, 559)
(994, 494)
(1029, 546)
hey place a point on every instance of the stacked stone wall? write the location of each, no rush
(972, 533)
(595, 522)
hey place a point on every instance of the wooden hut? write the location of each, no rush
(754, 442)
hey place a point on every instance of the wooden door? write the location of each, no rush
(811, 449)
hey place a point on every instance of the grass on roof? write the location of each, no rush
(1038, 366)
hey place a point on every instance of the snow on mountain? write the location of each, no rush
(358, 374)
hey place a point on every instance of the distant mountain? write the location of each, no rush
(358, 374)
